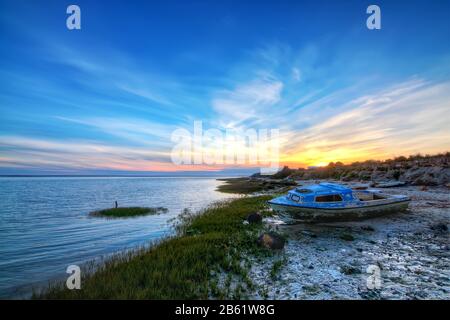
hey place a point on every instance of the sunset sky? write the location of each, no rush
(109, 96)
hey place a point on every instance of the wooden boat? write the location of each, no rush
(334, 202)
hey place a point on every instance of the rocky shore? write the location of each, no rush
(409, 251)
(414, 170)
(334, 261)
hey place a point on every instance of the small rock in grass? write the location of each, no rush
(347, 237)
(439, 227)
(254, 218)
(367, 228)
(311, 289)
(271, 240)
(348, 270)
(308, 233)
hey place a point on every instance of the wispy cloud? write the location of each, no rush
(113, 69)
(119, 106)
(247, 101)
(407, 118)
(27, 152)
(143, 132)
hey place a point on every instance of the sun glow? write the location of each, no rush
(321, 164)
(318, 157)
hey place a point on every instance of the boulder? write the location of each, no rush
(390, 184)
(283, 173)
(440, 227)
(347, 237)
(425, 180)
(367, 228)
(271, 240)
(428, 176)
(348, 270)
(364, 175)
(254, 218)
(444, 177)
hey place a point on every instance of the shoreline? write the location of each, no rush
(410, 249)
(175, 263)
(317, 262)
(65, 234)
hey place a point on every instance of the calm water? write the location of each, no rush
(44, 222)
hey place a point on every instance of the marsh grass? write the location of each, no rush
(240, 185)
(210, 245)
(247, 186)
(277, 266)
(125, 212)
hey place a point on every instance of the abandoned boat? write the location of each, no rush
(334, 202)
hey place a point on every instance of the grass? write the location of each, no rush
(240, 185)
(247, 186)
(277, 266)
(192, 265)
(347, 237)
(127, 212)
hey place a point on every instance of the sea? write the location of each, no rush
(45, 224)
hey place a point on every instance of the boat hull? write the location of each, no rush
(302, 214)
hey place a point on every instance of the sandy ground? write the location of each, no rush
(411, 251)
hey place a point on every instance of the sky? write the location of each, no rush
(108, 97)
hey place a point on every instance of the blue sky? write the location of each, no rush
(108, 96)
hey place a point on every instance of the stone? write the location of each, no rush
(440, 227)
(367, 228)
(347, 237)
(348, 270)
(254, 218)
(271, 240)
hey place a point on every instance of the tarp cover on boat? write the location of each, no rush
(309, 193)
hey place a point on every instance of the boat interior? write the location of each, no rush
(368, 196)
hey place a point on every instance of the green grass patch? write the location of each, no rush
(347, 237)
(209, 244)
(247, 185)
(277, 266)
(240, 185)
(127, 212)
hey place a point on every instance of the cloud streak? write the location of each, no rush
(247, 101)
(24, 152)
(408, 118)
(116, 110)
